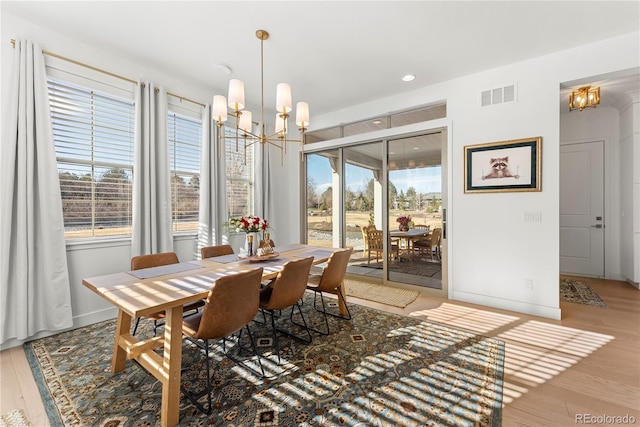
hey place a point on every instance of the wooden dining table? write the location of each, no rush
(167, 288)
(409, 236)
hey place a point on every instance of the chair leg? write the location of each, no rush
(276, 343)
(325, 312)
(135, 328)
(254, 350)
(209, 408)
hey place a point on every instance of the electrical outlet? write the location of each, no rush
(528, 284)
(532, 216)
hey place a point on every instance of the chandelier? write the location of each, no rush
(244, 130)
(584, 97)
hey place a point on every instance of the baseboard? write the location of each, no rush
(503, 304)
(78, 322)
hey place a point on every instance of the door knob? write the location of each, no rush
(598, 226)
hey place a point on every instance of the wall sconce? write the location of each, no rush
(584, 97)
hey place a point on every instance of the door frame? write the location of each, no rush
(438, 125)
(611, 250)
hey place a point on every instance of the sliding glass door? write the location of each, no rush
(414, 181)
(356, 195)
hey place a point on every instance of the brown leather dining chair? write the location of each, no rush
(214, 251)
(155, 260)
(285, 291)
(331, 280)
(231, 305)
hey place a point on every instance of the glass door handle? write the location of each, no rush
(598, 226)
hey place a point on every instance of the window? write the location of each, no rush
(184, 158)
(239, 170)
(93, 134)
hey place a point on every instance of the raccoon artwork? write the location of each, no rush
(500, 169)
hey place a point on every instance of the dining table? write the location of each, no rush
(167, 288)
(408, 236)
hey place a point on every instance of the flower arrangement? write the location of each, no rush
(404, 220)
(249, 224)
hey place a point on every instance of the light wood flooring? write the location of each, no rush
(585, 365)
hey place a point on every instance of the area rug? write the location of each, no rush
(379, 369)
(15, 418)
(384, 294)
(418, 268)
(580, 292)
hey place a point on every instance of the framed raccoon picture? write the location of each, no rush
(504, 166)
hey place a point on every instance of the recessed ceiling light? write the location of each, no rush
(223, 69)
(408, 78)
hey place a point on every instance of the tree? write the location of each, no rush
(312, 197)
(412, 199)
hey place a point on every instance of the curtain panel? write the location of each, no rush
(213, 194)
(151, 220)
(34, 279)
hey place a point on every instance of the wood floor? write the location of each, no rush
(585, 365)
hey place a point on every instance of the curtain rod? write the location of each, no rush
(73, 61)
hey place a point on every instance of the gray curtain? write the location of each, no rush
(34, 280)
(151, 220)
(213, 195)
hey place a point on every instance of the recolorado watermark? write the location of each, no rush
(605, 419)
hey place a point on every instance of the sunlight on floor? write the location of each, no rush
(470, 319)
(535, 351)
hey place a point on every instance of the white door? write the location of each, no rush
(582, 209)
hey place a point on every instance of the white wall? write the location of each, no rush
(630, 190)
(492, 250)
(601, 124)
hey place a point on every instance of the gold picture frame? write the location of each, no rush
(504, 166)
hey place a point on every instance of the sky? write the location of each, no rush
(424, 180)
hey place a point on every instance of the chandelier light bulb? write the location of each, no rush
(283, 98)
(302, 114)
(219, 110)
(245, 121)
(236, 94)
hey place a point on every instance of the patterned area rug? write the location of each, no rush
(378, 293)
(377, 369)
(580, 292)
(15, 418)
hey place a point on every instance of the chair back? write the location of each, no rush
(336, 268)
(290, 284)
(153, 260)
(436, 237)
(232, 303)
(422, 227)
(376, 240)
(365, 235)
(218, 250)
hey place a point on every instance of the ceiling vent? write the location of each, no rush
(498, 96)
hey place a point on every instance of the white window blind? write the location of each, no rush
(184, 157)
(93, 134)
(240, 172)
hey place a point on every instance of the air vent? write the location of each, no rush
(498, 95)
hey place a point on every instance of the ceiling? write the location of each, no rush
(335, 54)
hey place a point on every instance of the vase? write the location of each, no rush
(403, 227)
(248, 246)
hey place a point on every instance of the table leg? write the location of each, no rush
(342, 302)
(123, 326)
(172, 360)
